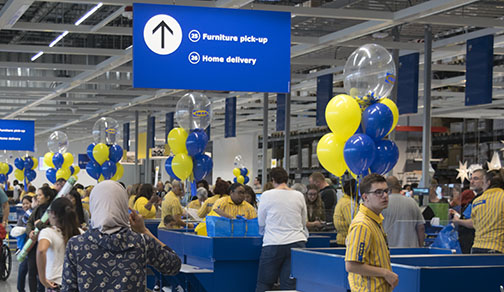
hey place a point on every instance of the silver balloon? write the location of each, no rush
(238, 161)
(106, 130)
(193, 111)
(370, 73)
(57, 142)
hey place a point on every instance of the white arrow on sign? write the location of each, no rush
(162, 34)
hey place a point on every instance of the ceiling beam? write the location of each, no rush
(59, 66)
(12, 11)
(61, 50)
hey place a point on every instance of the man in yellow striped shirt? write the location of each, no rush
(235, 204)
(487, 215)
(171, 204)
(343, 212)
(367, 258)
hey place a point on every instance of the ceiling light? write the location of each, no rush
(56, 40)
(37, 55)
(88, 14)
(380, 35)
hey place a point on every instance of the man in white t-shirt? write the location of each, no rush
(282, 219)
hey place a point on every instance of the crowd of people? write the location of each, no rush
(96, 237)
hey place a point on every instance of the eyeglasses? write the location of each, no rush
(379, 192)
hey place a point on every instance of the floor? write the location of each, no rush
(11, 283)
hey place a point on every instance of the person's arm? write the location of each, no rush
(43, 246)
(5, 219)
(372, 271)
(468, 223)
(261, 216)
(420, 229)
(223, 214)
(69, 282)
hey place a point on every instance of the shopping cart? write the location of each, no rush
(5, 256)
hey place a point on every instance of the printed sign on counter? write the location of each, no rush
(179, 47)
(17, 135)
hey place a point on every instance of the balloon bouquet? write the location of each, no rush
(58, 159)
(188, 142)
(5, 170)
(104, 154)
(25, 169)
(239, 171)
(360, 121)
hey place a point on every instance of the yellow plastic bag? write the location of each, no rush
(201, 228)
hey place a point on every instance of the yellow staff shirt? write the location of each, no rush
(140, 207)
(229, 207)
(131, 201)
(170, 206)
(207, 206)
(343, 217)
(366, 243)
(194, 204)
(488, 218)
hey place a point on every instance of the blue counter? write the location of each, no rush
(323, 269)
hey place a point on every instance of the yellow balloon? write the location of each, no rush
(35, 162)
(100, 153)
(236, 172)
(19, 174)
(76, 169)
(63, 173)
(240, 179)
(68, 160)
(182, 165)
(343, 116)
(101, 178)
(119, 172)
(352, 174)
(4, 168)
(48, 159)
(395, 112)
(177, 140)
(76, 177)
(330, 154)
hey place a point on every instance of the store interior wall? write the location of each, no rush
(226, 149)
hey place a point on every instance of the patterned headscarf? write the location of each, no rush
(108, 204)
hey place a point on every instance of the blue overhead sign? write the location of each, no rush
(201, 48)
(17, 135)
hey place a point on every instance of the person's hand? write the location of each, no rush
(318, 224)
(137, 222)
(391, 278)
(36, 222)
(32, 235)
(455, 214)
(49, 284)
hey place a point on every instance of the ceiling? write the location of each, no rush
(88, 73)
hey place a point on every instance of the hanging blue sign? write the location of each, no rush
(17, 135)
(280, 112)
(479, 70)
(126, 136)
(202, 48)
(407, 85)
(169, 124)
(230, 118)
(324, 95)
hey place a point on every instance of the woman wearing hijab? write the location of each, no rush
(111, 255)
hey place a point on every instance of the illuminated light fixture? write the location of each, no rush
(88, 14)
(56, 40)
(35, 57)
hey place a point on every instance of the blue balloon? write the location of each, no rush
(243, 172)
(108, 169)
(72, 169)
(168, 168)
(30, 174)
(386, 157)
(28, 163)
(235, 180)
(359, 130)
(19, 163)
(11, 169)
(359, 153)
(58, 160)
(247, 179)
(51, 174)
(202, 165)
(89, 151)
(93, 169)
(377, 120)
(196, 142)
(3, 178)
(115, 153)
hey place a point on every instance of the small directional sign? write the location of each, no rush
(162, 34)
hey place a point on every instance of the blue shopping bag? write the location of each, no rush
(448, 238)
(218, 226)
